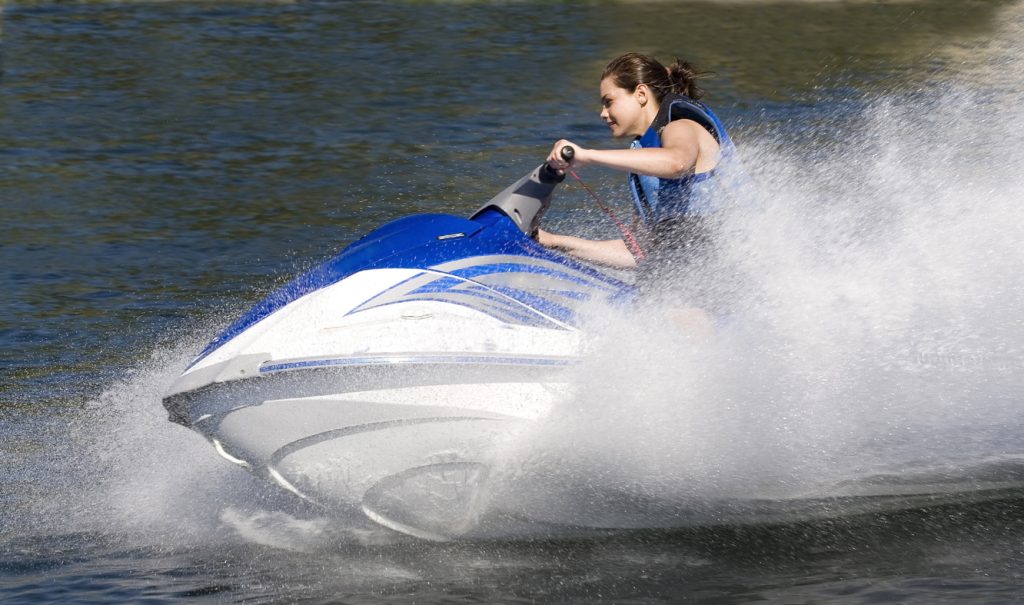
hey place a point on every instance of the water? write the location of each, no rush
(164, 165)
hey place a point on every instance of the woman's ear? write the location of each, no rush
(642, 94)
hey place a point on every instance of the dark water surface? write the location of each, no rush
(165, 164)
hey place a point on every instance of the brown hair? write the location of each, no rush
(633, 69)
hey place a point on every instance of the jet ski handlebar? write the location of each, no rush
(567, 153)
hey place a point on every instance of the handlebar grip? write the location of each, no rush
(568, 153)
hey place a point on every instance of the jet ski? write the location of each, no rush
(389, 384)
(385, 381)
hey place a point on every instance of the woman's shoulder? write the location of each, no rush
(682, 129)
(689, 134)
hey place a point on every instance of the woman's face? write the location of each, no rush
(622, 110)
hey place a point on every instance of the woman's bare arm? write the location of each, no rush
(612, 252)
(679, 155)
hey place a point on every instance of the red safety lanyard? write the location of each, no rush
(627, 235)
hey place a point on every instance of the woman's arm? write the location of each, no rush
(678, 155)
(612, 252)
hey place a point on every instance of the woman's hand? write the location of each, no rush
(556, 161)
(547, 239)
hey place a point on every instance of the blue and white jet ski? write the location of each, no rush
(393, 373)
(389, 383)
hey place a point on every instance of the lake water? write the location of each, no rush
(163, 165)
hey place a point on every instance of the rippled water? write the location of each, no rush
(163, 165)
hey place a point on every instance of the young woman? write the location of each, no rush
(678, 148)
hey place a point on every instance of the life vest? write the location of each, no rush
(659, 199)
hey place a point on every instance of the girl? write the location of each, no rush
(678, 149)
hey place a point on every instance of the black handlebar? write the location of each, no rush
(549, 174)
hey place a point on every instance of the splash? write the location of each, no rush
(118, 470)
(875, 343)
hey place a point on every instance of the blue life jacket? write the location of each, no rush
(660, 199)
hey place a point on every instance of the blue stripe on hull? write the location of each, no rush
(423, 241)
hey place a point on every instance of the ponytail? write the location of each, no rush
(684, 78)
